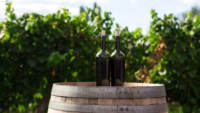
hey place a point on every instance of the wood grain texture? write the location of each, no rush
(127, 84)
(108, 108)
(86, 97)
(87, 90)
(88, 101)
(57, 111)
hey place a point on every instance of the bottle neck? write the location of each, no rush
(117, 44)
(103, 42)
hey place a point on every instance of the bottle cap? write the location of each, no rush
(117, 33)
(103, 33)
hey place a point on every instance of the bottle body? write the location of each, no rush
(103, 64)
(117, 68)
(103, 68)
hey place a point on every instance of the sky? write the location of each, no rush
(130, 13)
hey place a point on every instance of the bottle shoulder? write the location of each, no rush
(117, 54)
(103, 54)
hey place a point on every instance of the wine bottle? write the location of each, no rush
(117, 64)
(103, 64)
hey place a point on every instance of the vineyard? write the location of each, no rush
(37, 51)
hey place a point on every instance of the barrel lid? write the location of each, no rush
(89, 90)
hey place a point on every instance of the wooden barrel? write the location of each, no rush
(85, 97)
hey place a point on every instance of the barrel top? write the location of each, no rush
(89, 90)
(93, 84)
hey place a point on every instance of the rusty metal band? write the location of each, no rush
(108, 92)
(108, 109)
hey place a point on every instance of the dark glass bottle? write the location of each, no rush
(103, 64)
(117, 64)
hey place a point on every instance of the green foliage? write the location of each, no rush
(195, 10)
(181, 60)
(37, 51)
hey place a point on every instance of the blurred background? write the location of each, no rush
(131, 13)
(48, 41)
